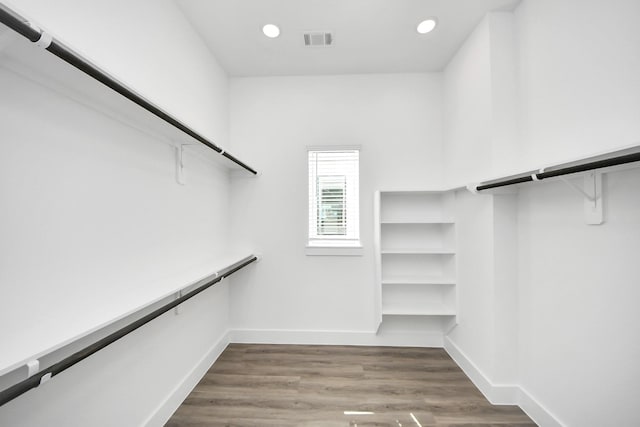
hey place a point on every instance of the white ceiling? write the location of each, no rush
(370, 36)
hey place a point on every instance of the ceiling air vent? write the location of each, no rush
(318, 39)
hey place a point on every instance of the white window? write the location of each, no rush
(334, 196)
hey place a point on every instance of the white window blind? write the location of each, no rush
(334, 216)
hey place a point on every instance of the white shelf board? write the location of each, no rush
(407, 310)
(417, 251)
(418, 221)
(405, 191)
(45, 338)
(40, 67)
(416, 280)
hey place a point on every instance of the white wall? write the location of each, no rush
(486, 256)
(480, 118)
(467, 149)
(578, 303)
(149, 46)
(397, 121)
(506, 147)
(578, 77)
(475, 334)
(467, 110)
(505, 291)
(98, 223)
(577, 93)
(479, 127)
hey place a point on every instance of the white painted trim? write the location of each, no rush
(534, 409)
(311, 337)
(501, 394)
(497, 394)
(333, 250)
(170, 404)
(329, 147)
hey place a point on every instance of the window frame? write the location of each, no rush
(332, 245)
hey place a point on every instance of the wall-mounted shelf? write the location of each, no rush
(591, 167)
(410, 222)
(418, 311)
(38, 57)
(611, 159)
(417, 251)
(29, 346)
(417, 280)
(66, 354)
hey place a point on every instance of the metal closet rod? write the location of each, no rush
(22, 26)
(44, 375)
(597, 164)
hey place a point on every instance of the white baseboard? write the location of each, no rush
(536, 411)
(497, 394)
(501, 394)
(310, 337)
(163, 412)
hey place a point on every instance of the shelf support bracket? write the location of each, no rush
(576, 187)
(180, 173)
(180, 178)
(592, 193)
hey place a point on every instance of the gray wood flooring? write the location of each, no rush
(323, 386)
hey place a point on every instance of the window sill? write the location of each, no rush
(332, 250)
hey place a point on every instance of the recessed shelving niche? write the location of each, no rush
(415, 249)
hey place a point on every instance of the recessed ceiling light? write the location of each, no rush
(427, 26)
(271, 31)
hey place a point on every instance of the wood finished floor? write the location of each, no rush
(313, 386)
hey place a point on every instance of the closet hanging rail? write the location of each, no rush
(597, 164)
(44, 375)
(34, 34)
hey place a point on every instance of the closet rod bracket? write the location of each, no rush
(44, 41)
(592, 193)
(582, 191)
(180, 175)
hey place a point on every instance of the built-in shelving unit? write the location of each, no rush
(415, 251)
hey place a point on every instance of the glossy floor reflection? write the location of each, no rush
(392, 419)
(326, 386)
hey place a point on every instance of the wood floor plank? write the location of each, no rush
(321, 386)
